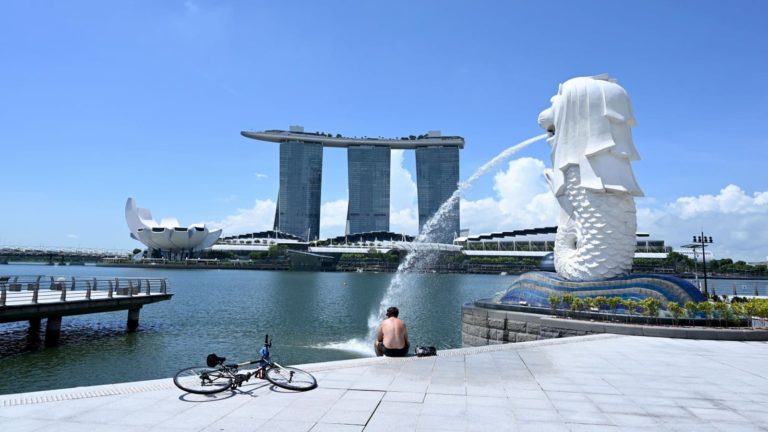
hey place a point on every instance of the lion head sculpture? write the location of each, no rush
(589, 124)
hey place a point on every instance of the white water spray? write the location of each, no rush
(397, 284)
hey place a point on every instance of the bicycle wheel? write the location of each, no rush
(290, 378)
(202, 380)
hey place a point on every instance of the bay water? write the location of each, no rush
(312, 317)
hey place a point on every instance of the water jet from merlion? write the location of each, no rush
(422, 247)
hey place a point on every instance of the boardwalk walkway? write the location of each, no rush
(590, 383)
(34, 298)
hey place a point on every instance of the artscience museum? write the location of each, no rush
(167, 236)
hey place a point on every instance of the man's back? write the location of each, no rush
(392, 337)
(394, 332)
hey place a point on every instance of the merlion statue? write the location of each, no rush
(589, 124)
(592, 151)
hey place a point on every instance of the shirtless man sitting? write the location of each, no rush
(392, 337)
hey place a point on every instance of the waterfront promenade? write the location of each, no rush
(591, 383)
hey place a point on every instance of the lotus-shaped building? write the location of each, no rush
(167, 235)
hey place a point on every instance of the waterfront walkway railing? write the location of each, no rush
(20, 290)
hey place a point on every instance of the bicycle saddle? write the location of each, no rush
(213, 360)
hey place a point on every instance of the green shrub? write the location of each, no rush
(722, 312)
(706, 308)
(589, 303)
(676, 310)
(614, 303)
(568, 300)
(577, 304)
(691, 309)
(651, 306)
(600, 302)
(631, 306)
(554, 303)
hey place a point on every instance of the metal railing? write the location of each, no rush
(735, 287)
(20, 290)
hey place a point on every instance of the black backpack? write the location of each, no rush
(213, 360)
(425, 351)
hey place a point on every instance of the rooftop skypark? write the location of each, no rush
(368, 161)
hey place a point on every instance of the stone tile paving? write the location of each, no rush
(591, 383)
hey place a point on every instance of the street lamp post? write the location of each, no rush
(703, 241)
(696, 270)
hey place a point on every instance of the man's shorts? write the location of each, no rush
(390, 352)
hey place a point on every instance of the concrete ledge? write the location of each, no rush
(481, 326)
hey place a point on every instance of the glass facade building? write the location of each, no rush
(368, 206)
(437, 177)
(298, 201)
(301, 172)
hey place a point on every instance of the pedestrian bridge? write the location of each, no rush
(56, 254)
(385, 247)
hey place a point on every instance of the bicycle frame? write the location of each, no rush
(219, 376)
(233, 369)
(264, 362)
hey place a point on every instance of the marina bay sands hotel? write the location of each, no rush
(368, 160)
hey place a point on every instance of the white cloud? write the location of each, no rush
(333, 214)
(72, 236)
(522, 200)
(730, 200)
(258, 218)
(734, 219)
(404, 221)
(403, 210)
(260, 175)
(261, 216)
(402, 203)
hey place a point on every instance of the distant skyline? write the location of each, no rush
(102, 101)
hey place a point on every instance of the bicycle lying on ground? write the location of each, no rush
(217, 376)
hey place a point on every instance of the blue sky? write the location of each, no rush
(100, 101)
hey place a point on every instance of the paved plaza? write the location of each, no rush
(589, 383)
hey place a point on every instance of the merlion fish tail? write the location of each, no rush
(597, 238)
